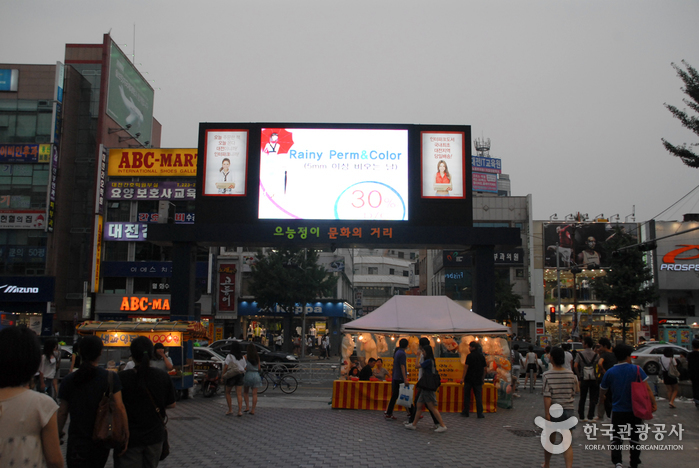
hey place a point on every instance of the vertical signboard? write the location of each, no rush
(100, 183)
(443, 164)
(97, 249)
(226, 287)
(129, 97)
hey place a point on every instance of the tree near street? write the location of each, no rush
(289, 277)
(690, 77)
(627, 285)
(507, 303)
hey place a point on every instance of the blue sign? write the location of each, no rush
(488, 165)
(146, 269)
(9, 79)
(317, 309)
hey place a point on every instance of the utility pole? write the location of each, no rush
(558, 290)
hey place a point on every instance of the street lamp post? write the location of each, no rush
(558, 291)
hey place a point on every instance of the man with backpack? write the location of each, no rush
(585, 363)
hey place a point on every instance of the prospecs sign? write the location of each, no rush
(675, 259)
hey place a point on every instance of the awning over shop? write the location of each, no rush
(424, 314)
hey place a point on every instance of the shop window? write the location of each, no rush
(114, 285)
(146, 252)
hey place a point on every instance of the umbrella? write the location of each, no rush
(284, 141)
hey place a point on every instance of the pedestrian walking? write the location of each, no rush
(530, 361)
(28, 420)
(252, 379)
(618, 379)
(80, 394)
(427, 398)
(607, 360)
(400, 376)
(585, 363)
(234, 358)
(47, 369)
(669, 366)
(146, 391)
(559, 387)
(516, 359)
(472, 379)
(693, 367)
(413, 408)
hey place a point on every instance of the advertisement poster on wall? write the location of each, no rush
(442, 164)
(344, 174)
(225, 163)
(582, 244)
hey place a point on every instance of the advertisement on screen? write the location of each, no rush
(225, 166)
(442, 164)
(343, 174)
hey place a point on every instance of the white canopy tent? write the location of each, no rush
(424, 315)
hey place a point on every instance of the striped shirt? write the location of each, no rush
(560, 385)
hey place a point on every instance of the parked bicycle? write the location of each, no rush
(278, 377)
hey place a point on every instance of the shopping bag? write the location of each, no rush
(405, 396)
(640, 400)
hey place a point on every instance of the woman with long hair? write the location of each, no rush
(28, 427)
(47, 369)
(80, 394)
(234, 358)
(427, 397)
(443, 177)
(252, 379)
(147, 391)
(671, 383)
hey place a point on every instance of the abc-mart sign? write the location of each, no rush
(675, 259)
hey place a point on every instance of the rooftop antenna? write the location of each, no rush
(482, 146)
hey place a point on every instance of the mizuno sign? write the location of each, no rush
(10, 289)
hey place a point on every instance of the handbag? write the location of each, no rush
(231, 372)
(640, 400)
(165, 451)
(405, 396)
(110, 427)
(430, 381)
(672, 371)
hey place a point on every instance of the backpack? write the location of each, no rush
(588, 371)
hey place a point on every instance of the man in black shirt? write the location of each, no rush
(474, 373)
(367, 371)
(606, 361)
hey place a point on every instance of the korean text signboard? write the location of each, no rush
(124, 339)
(117, 231)
(152, 191)
(226, 287)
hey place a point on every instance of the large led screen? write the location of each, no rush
(346, 174)
(443, 167)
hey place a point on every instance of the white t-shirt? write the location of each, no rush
(22, 418)
(48, 367)
(231, 360)
(569, 361)
(665, 362)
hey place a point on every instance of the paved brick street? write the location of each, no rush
(301, 430)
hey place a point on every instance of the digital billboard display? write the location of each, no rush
(129, 97)
(443, 164)
(225, 163)
(333, 174)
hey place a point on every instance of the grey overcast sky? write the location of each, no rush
(570, 93)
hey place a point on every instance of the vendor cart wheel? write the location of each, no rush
(178, 395)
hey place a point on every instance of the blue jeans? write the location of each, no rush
(477, 393)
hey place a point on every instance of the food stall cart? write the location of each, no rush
(177, 337)
(448, 326)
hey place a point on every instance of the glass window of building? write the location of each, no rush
(373, 270)
(22, 252)
(114, 285)
(23, 186)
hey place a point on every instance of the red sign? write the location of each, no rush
(226, 287)
(539, 331)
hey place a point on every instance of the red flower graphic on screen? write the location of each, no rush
(275, 141)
